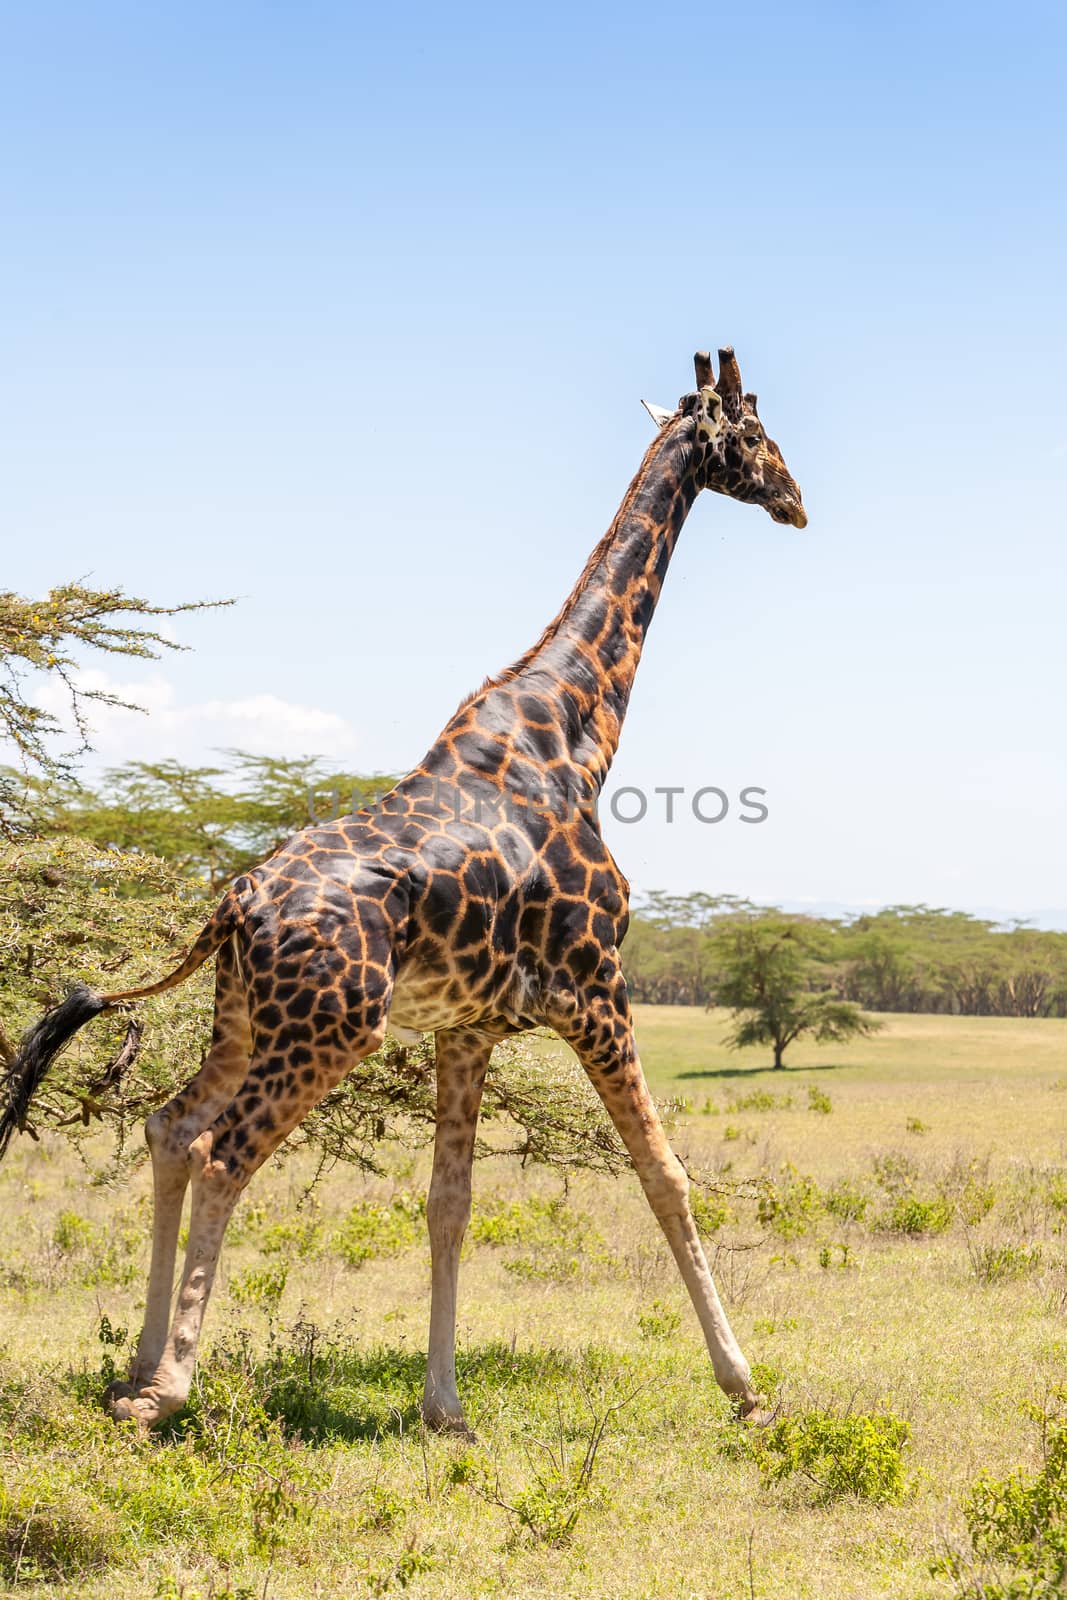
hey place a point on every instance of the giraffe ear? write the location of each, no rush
(657, 413)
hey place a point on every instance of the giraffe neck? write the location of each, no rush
(588, 655)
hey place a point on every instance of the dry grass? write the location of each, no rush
(566, 1313)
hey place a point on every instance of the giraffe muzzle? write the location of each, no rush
(789, 512)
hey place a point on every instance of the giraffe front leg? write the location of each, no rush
(601, 1034)
(462, 1059)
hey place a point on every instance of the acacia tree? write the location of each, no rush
(211, 823)
(768, 970)
(39, 641)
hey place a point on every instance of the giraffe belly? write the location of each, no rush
(425, 1000)
(422, 1002)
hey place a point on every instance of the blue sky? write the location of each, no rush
(349, 314)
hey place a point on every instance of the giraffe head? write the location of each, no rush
(737, 457)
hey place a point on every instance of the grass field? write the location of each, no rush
(903, 1256)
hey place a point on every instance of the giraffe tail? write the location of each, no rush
(44, 1041)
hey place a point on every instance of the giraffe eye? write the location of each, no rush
(751, 441)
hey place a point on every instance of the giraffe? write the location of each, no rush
(477, 899)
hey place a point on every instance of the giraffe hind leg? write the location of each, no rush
(222, 1160)
(169, 1133)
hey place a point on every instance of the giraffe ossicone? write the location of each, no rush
(710, 425)
(471, 922)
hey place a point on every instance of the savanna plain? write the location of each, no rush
(887, 1221)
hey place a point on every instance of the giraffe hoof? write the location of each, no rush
(756, 1414)
(122, 1404)
(446, 1422)
(117, 1392)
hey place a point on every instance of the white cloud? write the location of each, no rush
(263, 723)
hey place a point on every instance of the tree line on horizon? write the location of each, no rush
(902, 958)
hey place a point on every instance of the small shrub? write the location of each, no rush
(894, 1171)
(89, 1386)
(760, 1100)
(846, 1200)
(974, 1202)
(911, 1215)
(304, 1238)
(370, 1232)
(469, 1469)
(842, 1260)
(819, 1101)
(790, 1208)
(545, 1267)
(914, 1125)
(110, 1257)
(529, 1222)
(231, 1429)
(967, 1188)
(660, 1321)
(169, 1588)
(769, 1325)
(110, 1338)
(410, 1565)
(731, 1131)
(73, 1233)
(247, 1222)
(858, 1455)
(119, 1260)
(549, 1507)
(995, 1263)
(382, 1508)
(1019, 1523)
(260, 1286)
(558, 1240)
(767, 1379)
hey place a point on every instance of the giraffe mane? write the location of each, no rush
(496, 679)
